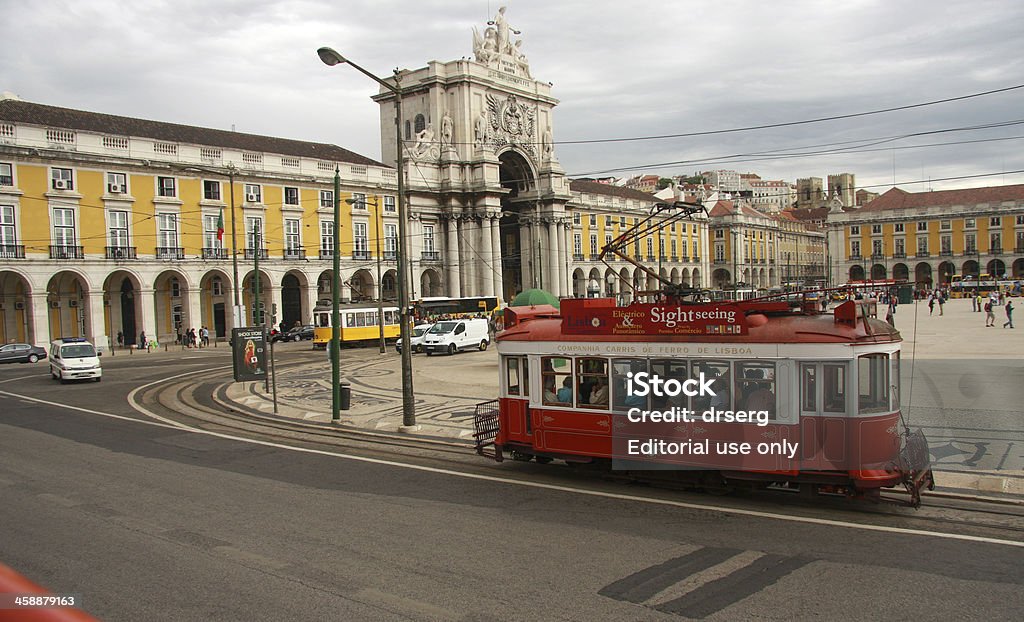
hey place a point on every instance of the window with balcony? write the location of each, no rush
(62, 179)
(360, 245)
(429, 252)
(9, 247)
(946, 245)
(211, 190)
(291, 195)
(118, 232)
(876, 249)
(922, 247)
(593, 245)
(326, 238)
(855, 249)
(970, 244)
(995, 242)
(899, 248)
(213, 244)
(64, 234)
(292, 239)
(577, 247)
(390, 242)
(167, 236)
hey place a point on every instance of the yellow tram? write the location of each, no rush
(359, 324)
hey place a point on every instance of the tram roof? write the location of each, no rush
(769, 326)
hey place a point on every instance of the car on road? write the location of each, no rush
(74, 358)
(415, 338)
(21, 353)
(299, 333)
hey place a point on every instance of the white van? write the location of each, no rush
(415, 338)
(74, 358)
(453, 335)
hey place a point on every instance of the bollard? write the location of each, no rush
(345, 396)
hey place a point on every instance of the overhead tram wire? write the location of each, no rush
(791, 123)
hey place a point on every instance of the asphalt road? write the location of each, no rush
(148, 522)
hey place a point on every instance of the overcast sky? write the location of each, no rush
(620, 69)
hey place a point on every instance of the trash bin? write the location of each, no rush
(345, 396)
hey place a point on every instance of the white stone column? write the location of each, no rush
(526, 252)
(310, 292)
(146, 310)
(551, 269)
(39, 318)
(95, 326)
(497, 279)
(195, 314)
(488, 263)
(452, 251)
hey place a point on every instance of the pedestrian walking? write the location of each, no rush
(142, 341)
(206, 336)
(942, 302)
(120, 339)
(1009, 313)
(978, 298)
(931, 304)
(990, 317)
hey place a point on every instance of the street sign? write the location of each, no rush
(249, 353)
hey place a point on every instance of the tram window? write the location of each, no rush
(526, 384)
(360, 319)
(808, 387)
(556, 379)
(755, 386)
(833, 380)
(371, 318)
(722, 385)
(592, 383)
(873, 383)
(896, 381)
(350, 320)
(512, 375)
(621, 399)
(322, 320)
(669, 369)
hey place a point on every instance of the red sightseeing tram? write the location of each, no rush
(789, 395)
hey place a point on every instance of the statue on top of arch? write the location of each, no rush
(496, 45)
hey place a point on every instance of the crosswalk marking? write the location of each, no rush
(704, 581)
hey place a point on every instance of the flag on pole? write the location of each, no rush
(220, 226)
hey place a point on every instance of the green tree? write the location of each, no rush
(664, 182)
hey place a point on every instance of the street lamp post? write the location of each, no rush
(330, 57)
(380, 296)
(336, 304)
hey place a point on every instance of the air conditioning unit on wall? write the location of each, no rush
(60, 184)
(116, 189)
(252, 198)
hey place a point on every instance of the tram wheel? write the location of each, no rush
(543, 459)
(520, 456)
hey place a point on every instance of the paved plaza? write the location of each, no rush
(963, 383)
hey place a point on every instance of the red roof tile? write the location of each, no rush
(901, 199)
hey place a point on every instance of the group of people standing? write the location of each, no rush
(193, 339)
(988, 305)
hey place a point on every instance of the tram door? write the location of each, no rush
(823, 415)
(515, 403)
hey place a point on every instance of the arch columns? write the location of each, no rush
(39, 316)
(96, 328)
(487, 255)
(553, 258)
(497, 283)
(452, 250)
(146, 300)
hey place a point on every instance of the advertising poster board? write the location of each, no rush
(249, 353)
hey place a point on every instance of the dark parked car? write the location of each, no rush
(21, 353)
(301, 333)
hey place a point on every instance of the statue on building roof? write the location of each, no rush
(497, 49)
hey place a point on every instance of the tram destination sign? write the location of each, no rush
(598, 317)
